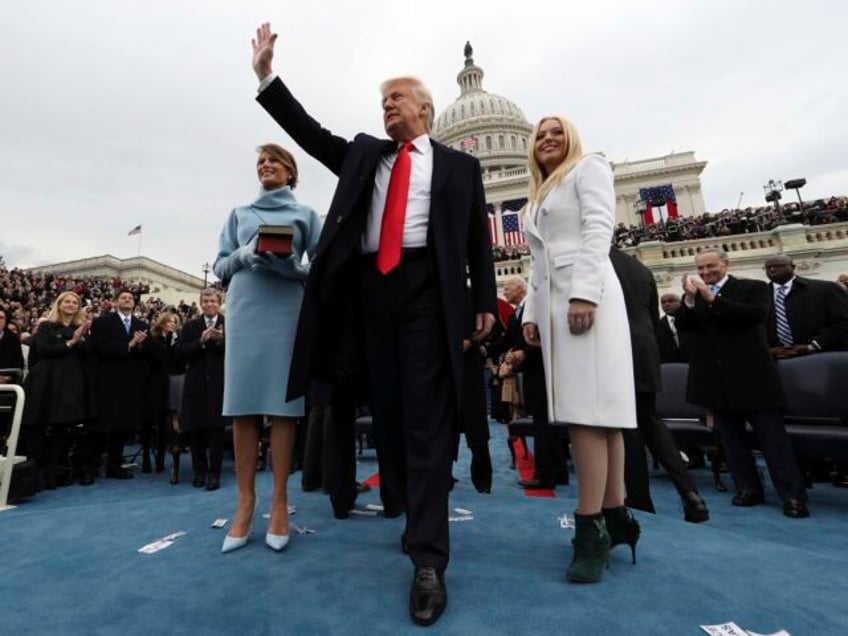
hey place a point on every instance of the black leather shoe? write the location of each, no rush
(213, 481)
(86, 479)
(694, 508)
(119, 473)
(795, 508)
(428, 596)
(746, 498)
(199, 480)
(390, 512)
(536, 484)
(360, 487)
(484, 490)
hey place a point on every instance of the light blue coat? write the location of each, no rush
(264, 294)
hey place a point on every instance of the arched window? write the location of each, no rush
(488, 142)
(512, 142)
(500, 142)
(472, 108)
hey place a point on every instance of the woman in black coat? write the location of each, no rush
(159, 415)
(58, 389)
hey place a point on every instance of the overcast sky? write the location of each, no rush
(117, 113)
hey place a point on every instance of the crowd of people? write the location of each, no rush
(96, 375)
(737, 221)
(27, 297)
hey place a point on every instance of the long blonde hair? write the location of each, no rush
(540, 183)
(55, 316)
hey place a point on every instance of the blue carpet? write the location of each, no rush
(70, 565)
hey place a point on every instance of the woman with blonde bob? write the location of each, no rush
(575, 311)
(58, 391)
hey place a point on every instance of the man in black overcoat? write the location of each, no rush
(816, 313)
(117, 340)
(673, 345)
(201, 348)
(640, 297)
(408, 296)
(732, 373)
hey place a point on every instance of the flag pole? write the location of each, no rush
(139, 243)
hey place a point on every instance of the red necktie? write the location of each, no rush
(391, 229)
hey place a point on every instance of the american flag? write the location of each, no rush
(469, 143)
(134, 231)
(659, 213)
(512, 228)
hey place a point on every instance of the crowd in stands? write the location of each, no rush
(27, 297)
(738, 221)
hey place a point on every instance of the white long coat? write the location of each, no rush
(589, 377)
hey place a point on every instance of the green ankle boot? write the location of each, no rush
(591, 546)
(622, 528)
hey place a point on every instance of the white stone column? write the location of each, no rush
(499, 231)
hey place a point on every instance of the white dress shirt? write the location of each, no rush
(417, 204)
(787, 286)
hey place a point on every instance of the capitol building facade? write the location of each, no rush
(495, 130)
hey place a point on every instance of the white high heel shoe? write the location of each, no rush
(234, 543)
(277, 542)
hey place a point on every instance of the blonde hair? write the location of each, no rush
(421, 92)
(164, 317)
(541, 183)
(55, 316)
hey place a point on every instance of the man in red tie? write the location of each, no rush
(387, 287)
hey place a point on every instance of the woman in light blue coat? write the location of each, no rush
(264, 293)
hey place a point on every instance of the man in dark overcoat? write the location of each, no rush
(732, 373)
(672, 344)
(407, 222)
(117, 341)
(815, 319)
(201, 347)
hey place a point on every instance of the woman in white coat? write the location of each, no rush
(575, 311)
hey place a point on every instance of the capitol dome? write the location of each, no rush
(489, 126)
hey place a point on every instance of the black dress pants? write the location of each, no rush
(207, 451)
(775, 444)
(548, 451)
(413, 400)
(651, 432)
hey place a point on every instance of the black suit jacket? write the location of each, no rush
(730, 366)
(120, 374)
(816, 310)
(203, 391)
(671, 351)
(458, 237)
(641, 299)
